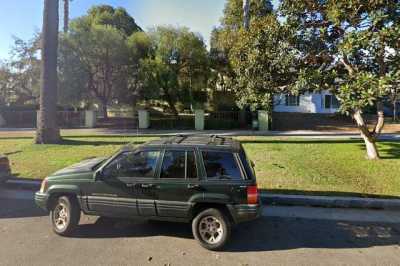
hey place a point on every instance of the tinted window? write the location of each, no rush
(191, 165)
(247, 164)
(173, 164)
(221, 165)
(129, 164)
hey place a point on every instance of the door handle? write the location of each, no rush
(191, 186)
(147, 185)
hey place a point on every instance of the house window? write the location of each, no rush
(331, 101)
(292, 100)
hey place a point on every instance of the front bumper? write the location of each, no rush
(41, 200)
(245, 212)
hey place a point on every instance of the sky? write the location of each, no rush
(22, 20)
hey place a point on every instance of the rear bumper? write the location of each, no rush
(41, 200)
(244, 212)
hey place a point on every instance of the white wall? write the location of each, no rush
(309, 103)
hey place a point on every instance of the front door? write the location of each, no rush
(120, 192)
(178, 183)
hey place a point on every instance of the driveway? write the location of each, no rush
(283, 236)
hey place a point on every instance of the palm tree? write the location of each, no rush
(66, 15)
(48, 131)
(246, 14)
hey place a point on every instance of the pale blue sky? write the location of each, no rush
(22, 18)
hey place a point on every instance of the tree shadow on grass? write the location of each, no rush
(390, 149)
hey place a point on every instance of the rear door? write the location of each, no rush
(225, 178)
(178, 182)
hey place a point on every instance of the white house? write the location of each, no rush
(316, 103)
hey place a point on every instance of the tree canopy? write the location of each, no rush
(350, 48)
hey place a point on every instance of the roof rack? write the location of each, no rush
(214, 138)
(176, 139)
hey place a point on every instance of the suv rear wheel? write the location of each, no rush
(65, 215)
(212, 229)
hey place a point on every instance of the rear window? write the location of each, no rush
(221, 165)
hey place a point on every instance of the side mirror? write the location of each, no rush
(98, 175)
(252, 164)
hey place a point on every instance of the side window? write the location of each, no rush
(179, 164)
(173, 164)
(191, 165)
(130, 164)
(221, 165)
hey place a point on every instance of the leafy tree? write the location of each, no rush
(351, 48)
(177, 67)
(263, 61)
(228, 43)
(96, 56)
(20, 76)
(47, 130)
(5, 81)
(101, 52)
(115, 17)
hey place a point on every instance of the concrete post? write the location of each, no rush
(2, 121)
(90, 119)
(144, 119)
(199, 119)
(263, 120)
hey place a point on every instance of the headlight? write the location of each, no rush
(44, 186)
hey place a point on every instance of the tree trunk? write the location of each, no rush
(104, 108)
(246, 14)
(395, 111)
(66, 15)
(368, 137)
(47, 129)
(170, 102)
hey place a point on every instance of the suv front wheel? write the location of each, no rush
(65, 215)
(211, 228)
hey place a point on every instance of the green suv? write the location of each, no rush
(208, 181)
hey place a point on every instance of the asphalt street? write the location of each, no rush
(283, 236)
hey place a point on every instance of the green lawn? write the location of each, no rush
(286, 164)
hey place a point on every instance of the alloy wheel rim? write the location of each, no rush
(60, 216)
(211, 230)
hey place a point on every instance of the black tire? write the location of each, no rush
(70, 206)
(200, 223)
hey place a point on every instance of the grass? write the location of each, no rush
(282, 164)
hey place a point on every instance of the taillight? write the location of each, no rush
(252, 195)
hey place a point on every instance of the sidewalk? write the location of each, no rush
(29, 132)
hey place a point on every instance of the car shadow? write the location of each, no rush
(264, 234)
(269, 234)
(116, 228)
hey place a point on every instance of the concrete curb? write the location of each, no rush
(330, 201)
